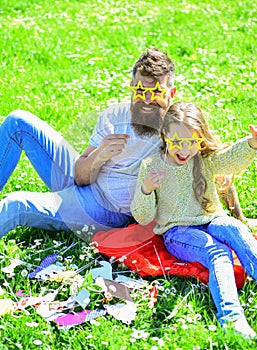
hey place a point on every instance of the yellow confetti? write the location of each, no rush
(6, 306)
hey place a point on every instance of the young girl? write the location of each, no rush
(176, 188)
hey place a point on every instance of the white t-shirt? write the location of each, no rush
(116, 182)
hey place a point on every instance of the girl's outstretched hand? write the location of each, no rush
(152, 180)
(253, 140)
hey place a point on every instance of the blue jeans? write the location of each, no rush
(67, 206)
(209, 245)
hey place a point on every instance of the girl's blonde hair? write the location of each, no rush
(192, 117)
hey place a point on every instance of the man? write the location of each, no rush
(97, 187)
(127, 133)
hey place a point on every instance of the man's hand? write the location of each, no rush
(88, 165)
(152, 180)
(253, 140)
(111, 146)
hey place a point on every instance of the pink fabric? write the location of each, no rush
(79, 317)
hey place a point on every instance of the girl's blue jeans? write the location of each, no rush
(210, 245)
(67, 206)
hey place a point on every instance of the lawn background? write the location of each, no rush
(66, 60)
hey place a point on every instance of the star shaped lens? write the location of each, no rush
(139, 91)
(177, 142)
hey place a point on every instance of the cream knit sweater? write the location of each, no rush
(174, 203)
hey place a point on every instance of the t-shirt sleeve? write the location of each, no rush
(101, 129)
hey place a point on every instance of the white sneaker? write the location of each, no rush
(242, 327)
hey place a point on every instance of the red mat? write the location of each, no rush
(145, 253)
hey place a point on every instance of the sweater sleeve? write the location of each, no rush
(143, 207)
(233, 159)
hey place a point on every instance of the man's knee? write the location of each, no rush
(18, 117)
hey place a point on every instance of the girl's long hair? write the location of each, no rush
(191, 117)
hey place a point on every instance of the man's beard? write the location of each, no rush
(146, 124)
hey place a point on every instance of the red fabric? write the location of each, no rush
(146, 254)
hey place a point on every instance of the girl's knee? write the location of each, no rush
(220, 252)
(230, 223)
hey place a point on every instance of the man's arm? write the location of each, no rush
(229, 197)
(226, 189)
(88, 165)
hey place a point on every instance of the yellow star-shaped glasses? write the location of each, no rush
(192, 142)
(140, 90)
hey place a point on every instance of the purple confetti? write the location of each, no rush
(48, 260)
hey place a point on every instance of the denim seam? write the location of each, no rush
(186, 244)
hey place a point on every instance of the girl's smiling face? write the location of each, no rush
(182, 143)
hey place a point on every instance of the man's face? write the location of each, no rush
(150, 100)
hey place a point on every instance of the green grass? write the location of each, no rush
(66, 60)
